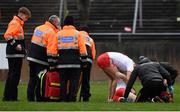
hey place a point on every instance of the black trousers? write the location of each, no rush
(150, 91)
(35, 68)
(68, 93)
(12, 81)
(85, 86)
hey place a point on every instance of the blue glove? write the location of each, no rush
(171, 89)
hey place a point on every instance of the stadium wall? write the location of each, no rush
(161, 50)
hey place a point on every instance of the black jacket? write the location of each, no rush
(147, 72)
(173, 72)
(11, 51)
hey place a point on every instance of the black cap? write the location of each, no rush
(84, 28)
(69, 20)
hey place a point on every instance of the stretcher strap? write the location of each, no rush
(55, 84)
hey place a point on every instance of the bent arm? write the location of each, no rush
(121, 76)
(165, 74)
(131, 82)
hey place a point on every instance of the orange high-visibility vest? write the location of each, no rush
(15, 29)
(14, 35)
(44, 43)
(90, 46)
(71, 46)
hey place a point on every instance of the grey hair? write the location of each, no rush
(55, 20)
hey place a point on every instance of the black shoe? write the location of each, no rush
(6, 99)
(31, 100)
(14, 100)
(85, 99)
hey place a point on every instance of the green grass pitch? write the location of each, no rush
(97, 102)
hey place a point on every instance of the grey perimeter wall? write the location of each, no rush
(162, 50)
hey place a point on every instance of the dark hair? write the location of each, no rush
(84, 28)
(25, 11)
(69, 20)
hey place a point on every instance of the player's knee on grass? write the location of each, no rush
(118, 94)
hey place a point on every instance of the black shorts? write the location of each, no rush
(154, 88)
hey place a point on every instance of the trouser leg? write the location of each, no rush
(32, 84)
(74, 75)
(7, 89)
(63, 84)
(142, 96)
(16, 78)
(11, 86)
(85, 87)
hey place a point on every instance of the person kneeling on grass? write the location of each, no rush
(118, 68)
(152, 75)
(165, 95)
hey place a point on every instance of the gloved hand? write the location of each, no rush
(52, 60)
(171, 89)
(83, 61)
(84, 65)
